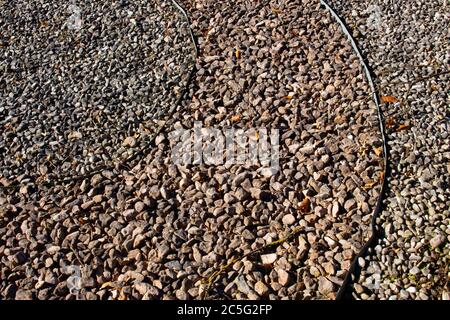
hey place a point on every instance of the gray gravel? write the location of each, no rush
(77, 99)
(407, 46)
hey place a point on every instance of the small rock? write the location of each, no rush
(414, 270)
(248, 235)
(261, 288)
(163, 250)
(325, 286)
(284, 277)
(142, 287)
(138, 241)
(242, 285)
(331, 243)
(139, 206)
(288, 219)
(19, 258)
(336, 208)
(174, 265)
(22, 294)
(98, 198)
(361, 262)
(181, 294)
(129, 142)
(411, 290)
(197, 255)
(436, 241)
(53, 249)
(255, 193)
(87, 204)
(268, 259)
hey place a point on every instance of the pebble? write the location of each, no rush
(325, 286)
(242, 285)
(23, 295)
(261, 288)
(268, 259)
(436, 241)
(284, 277)
(288, 219)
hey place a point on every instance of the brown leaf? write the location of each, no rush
(289, 98)
(389, 99)
(205, 31)
(369, 185)
(378, 151)
(236, 118)
(390, 122)
(305, 205)
(340, 119)
(276, 10)
(237, 53)
(107, 284)
(122, 295)
(402, 127)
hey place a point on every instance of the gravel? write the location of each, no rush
(248, 210)
(75, 100)
(407, 46)
(156, 230)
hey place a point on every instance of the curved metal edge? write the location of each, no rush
(341, 295)
(191, 33)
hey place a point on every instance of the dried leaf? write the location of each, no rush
(378, 151)
(289, 98)
(305, 205)
(389, 99)
(276, 10)
(145, 129)
(369, 185)
(122, 295)
(205, 31)
(434, 88)
(340, 119)
(390, 122)
(257, 135)
(236, 118)
(237, 53)
(402, 127)
(107, 284)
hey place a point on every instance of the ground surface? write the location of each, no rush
(82, 95)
